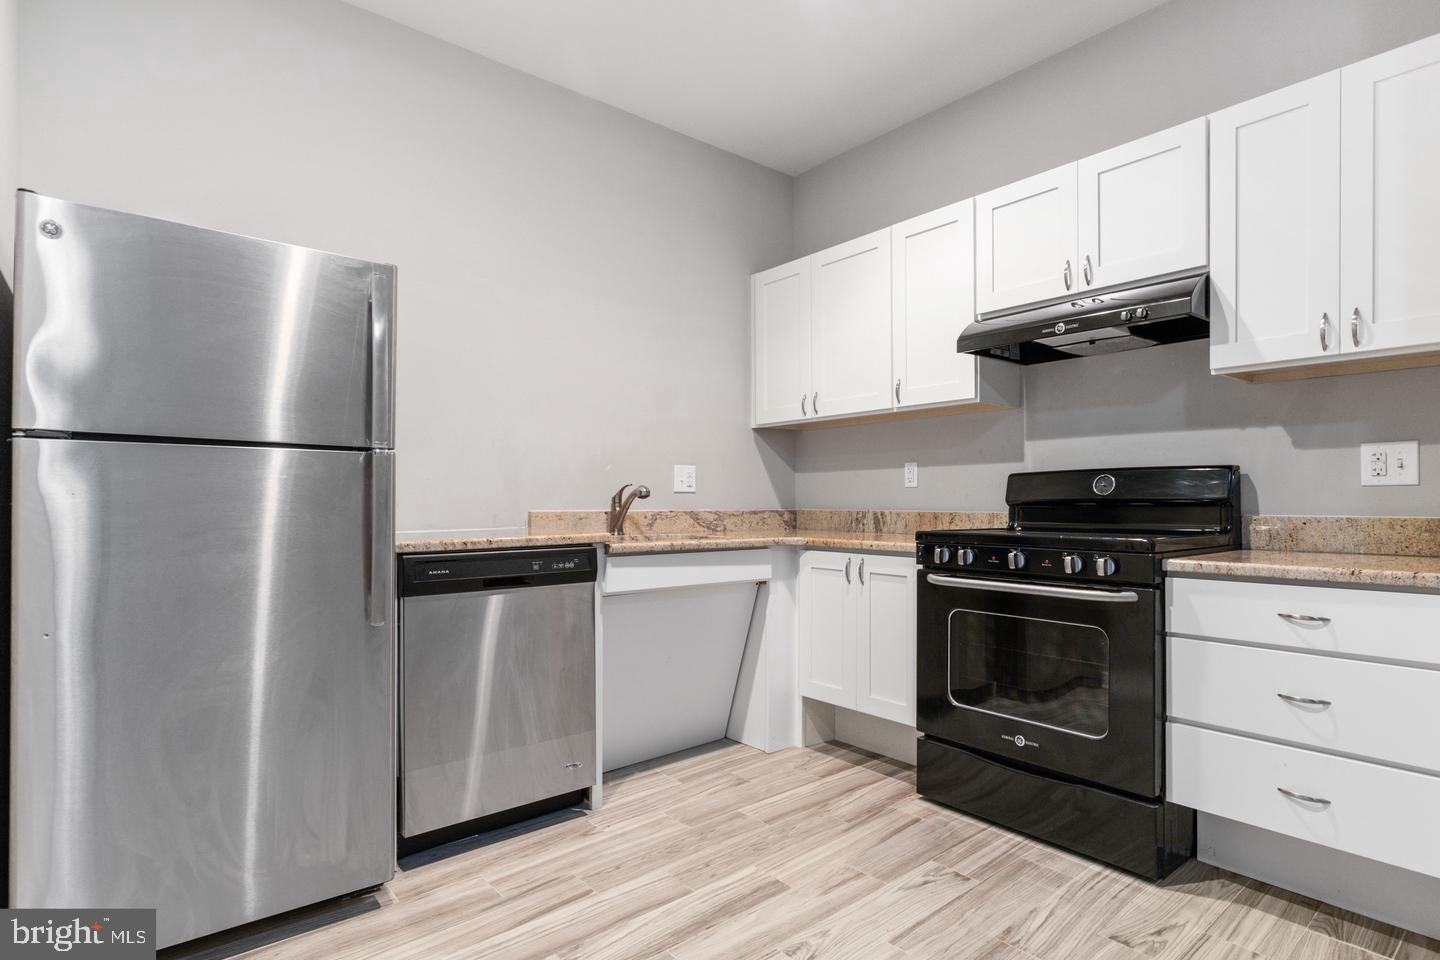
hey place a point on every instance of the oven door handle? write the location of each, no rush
(1035, 589)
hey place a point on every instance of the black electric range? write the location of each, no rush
(1040, 657)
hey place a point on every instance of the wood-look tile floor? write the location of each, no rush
(726, 852)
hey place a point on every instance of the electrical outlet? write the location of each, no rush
(1390, 464)
(684, 478)
(912, 473)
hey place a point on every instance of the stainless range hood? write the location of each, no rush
(1169, 310)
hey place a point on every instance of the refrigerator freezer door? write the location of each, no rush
(138, 327)
(202, 717)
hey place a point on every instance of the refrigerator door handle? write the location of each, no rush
(382, 541)
(382, 358)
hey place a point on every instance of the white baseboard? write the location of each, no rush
(1368, 887)
(885, 737)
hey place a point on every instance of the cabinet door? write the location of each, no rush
(1390, 200)
(827, 627)
(850, 358)
(1275, 227)
(1025, 240)
(1142, 208)
(781, 342)
(885, 638)
(932, 280)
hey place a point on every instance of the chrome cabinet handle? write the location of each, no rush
(1318, 801)
(1066, 275)
(1355, 326)
(897, 391)
(815, 402)
(1303, 701)
(1324, 333)
(1303, 618)
(803, 412)
(848, 561)
(1089, 273)
(862, 571)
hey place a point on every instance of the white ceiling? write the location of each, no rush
(786, 83)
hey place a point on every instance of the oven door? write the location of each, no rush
(1061, 678)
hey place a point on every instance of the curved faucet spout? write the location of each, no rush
(620, 506)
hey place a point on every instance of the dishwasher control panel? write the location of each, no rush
(433, 573)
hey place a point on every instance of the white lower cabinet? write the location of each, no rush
(1288, 711)
(1383, 813)
(857, 632)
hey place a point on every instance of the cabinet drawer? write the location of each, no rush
(1375, 710)
(1373, 811)
(1363, 623)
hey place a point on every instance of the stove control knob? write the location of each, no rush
(1104, 566)
(1017, 559)
(965, 556)
(1072, 562)
(942, 555)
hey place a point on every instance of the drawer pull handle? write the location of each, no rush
(1303, 618)
(1318, 801)
(1303, 701)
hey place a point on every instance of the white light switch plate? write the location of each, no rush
(1390, 464)
(912, 473)
(684, 478)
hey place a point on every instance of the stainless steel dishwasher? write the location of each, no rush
(497, 711)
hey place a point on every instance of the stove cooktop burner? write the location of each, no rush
(1129, 542)
(1095, 525)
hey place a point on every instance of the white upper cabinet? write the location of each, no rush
(1142, 208)
(1390, 200)
(1025, 241)
(1275, 227)
(850, 327)
(933, 296)
(781, 343)
(1323, 242)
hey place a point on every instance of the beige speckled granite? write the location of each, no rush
(896, 521)
(440, 544)
(1379, 570)
(695, 523)
(899, 544)
(687, 531)
(1394, 536)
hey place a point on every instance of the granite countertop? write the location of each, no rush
(1380, 570)
(895, 543)
(693, 531)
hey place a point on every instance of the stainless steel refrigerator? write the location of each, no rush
(201, 570)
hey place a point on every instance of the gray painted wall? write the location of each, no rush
(573, 292)
(9, 133)
(1297, 442)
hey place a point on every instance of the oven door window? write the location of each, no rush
(1047, 672)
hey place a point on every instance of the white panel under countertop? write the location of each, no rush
(664, 571)
(671, 664)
